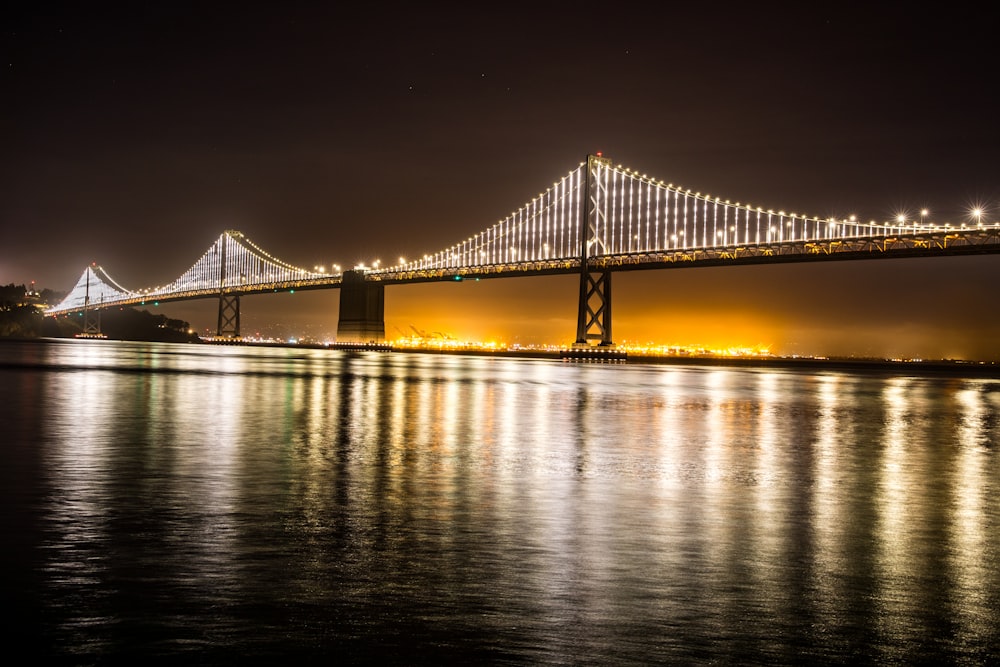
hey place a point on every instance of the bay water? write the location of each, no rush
(203, 504)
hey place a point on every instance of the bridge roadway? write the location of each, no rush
(972, 241)
(362, 291)
(946, 242)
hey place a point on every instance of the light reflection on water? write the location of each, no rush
(215, 503)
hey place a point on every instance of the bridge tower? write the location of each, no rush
(229, 304)
(594, 313)
(91, 316)
(362, 310)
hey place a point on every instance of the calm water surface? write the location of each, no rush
(216, 505)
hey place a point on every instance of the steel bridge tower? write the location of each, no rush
(91, 316)
(594, 313)
(229, 303)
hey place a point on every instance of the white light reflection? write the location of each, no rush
(898, 553)
(80, 467)
(771, 483)
(830, 521)
(971, 487)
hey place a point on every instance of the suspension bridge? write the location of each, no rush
(596, 220)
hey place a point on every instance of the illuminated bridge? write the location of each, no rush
(596, 220)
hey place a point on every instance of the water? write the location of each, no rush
(217, 505)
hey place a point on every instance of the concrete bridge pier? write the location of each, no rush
(362, 310)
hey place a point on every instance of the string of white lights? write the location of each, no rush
(630, 214)
(636, 214)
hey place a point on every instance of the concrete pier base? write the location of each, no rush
(362, 310)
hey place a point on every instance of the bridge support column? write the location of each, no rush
(91, 322)
(229, 316)
(594, 316)
(362, 310)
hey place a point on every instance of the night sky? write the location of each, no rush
(332, 133)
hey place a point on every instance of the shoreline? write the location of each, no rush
(952, 367)
(854, 364)
(949, 367)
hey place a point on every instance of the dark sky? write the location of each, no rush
(327, 132)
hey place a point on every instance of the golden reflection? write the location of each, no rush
(892, 500)
(972, 514)
(618, 494)
(723, 425)
(902, 504)
(670, 413)
(401, 417)
(720, 483)
(770, 407)
(830, 518)
(776, 528)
